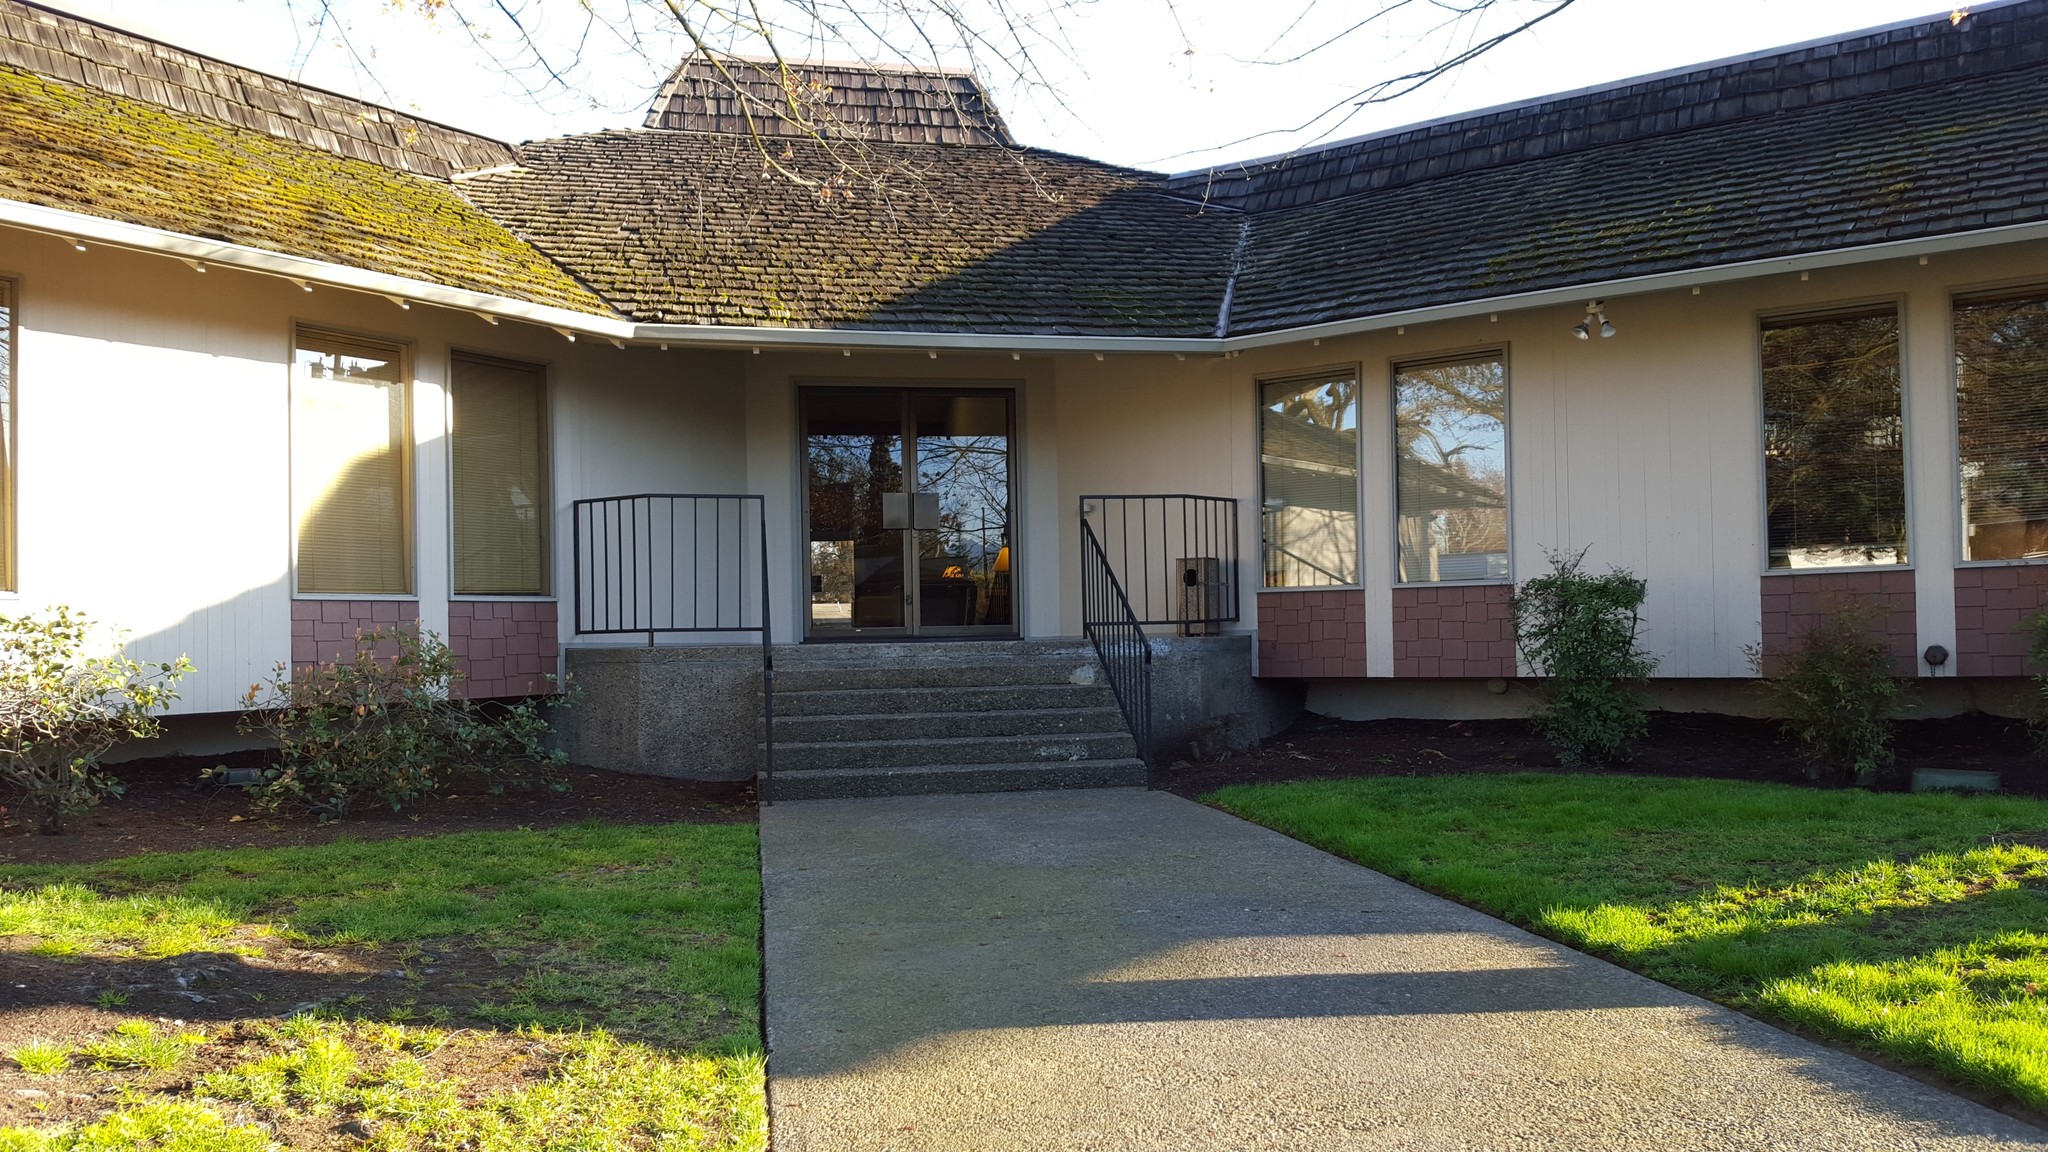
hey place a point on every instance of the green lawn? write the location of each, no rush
(1914, 925)
(608, 997)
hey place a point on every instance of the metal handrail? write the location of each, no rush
(1160, 545)
(1119, 639)
(634, 554)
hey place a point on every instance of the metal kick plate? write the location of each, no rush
(910, 510)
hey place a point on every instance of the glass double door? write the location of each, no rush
(908, 501)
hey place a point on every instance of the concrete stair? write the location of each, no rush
(946, 716)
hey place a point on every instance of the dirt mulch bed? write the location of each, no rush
(167, 807)
(1679, 744)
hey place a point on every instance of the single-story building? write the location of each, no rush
(957, 420)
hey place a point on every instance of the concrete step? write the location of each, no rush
(940, 725)
(897, 701)
(892, 653)
(927, 779)
(824, 678)
(803, 756)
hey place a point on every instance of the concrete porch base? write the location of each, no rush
(694, 712)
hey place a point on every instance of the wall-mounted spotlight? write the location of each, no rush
(1595, 321)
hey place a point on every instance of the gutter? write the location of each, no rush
(79, 227)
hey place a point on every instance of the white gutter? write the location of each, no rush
(113, 233)
(136, 237)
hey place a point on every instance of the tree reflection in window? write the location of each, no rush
(1308, 468)
(2001, 348)
(1834, 443)
(1451, 476)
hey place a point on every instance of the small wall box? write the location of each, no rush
(1953, 780)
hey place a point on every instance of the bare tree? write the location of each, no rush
(579, 49)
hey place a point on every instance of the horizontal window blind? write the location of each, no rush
(500, 461)
(1834, 441)
(1308, 470)
(351, 465)
(1451, 469)
(2001, 346)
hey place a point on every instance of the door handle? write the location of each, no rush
(895, 509)
(910, 510)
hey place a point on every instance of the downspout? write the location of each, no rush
(1244, 239)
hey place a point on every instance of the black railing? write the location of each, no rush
(672, 564)
(1119, 639)
(1175, 556)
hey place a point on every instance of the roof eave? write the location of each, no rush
(81, 227)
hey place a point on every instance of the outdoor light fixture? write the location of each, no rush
(195, 265)
(1595, 321)
(487, 318)
(401, 301)
(303, 286)
(80, 245)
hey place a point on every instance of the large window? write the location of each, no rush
(1308, 472)
(2002, 425)
(351, 466)
(1451, 469)
(501, 477)
(7, 435)
(1834, 440)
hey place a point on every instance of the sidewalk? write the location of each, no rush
(1126, 970)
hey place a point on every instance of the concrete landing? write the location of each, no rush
(1126, 970)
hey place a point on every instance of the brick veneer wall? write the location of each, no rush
(326, 630)
(1457, 632)
(1312, 634)
(504, 647)
(1793, 602)
(1990, 603)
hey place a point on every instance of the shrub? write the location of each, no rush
(61, 710)
(385, 724)
(1837, 693)
(1577, 630)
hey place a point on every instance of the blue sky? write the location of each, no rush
(1144, 82)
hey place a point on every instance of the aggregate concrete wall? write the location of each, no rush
(689, 713)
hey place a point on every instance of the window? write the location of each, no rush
(1308, 472)
(351, 466)
(1834, 441)
(7, 436)
(2002, 425)
(1451, 469)
(501, 477)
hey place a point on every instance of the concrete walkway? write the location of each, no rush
(1126, 970)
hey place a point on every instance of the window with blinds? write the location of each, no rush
(501, 477)
(2001, 345)
(1834, 440)
(1308, 473)
(351, 466)
(1451, 469)
(7, 582)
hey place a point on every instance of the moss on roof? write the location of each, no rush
(87, 151)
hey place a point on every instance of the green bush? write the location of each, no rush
(385, 724)
(1577, 630)
(1837, 694)
(61, 710)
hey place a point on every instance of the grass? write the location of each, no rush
(624, 991)
(1912, 925)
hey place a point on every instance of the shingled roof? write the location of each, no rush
(778, 100)
(693, 228)
(78, 51)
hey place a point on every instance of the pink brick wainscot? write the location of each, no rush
(1792, 603)
(505, 648)
(1312, 635)
(1461, 632)
(325, 631)
(1991, 605)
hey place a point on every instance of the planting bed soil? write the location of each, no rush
(1679, 744)
(167, 807)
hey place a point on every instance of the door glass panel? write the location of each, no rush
(853, 454)
(963, 536)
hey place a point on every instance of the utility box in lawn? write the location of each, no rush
(1201, 595)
